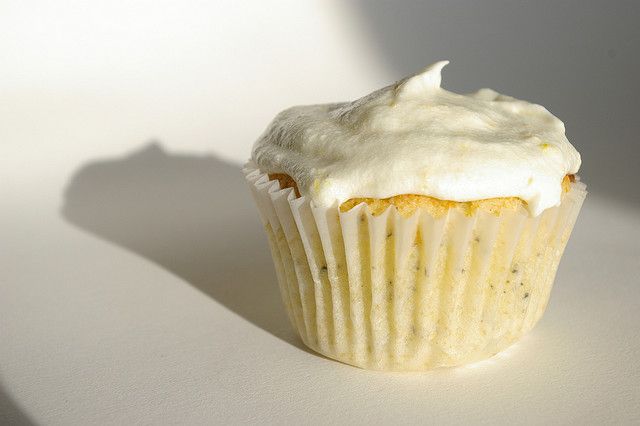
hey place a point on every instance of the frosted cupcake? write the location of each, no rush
(416, 228)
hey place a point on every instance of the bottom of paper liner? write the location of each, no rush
(394, 293)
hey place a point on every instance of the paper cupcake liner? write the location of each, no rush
(393, 293)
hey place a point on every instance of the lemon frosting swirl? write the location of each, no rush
(413, 137)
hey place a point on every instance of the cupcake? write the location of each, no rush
(416, 228)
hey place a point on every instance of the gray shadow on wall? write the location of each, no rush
(192, 215)
(579, 59)
(10, 412)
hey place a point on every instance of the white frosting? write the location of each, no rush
(414, 137)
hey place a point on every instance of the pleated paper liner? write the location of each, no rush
(392, 293)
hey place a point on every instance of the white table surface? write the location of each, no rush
(136, 285)
(141, 290)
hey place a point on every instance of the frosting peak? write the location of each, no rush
(414, 137)
(429, 79)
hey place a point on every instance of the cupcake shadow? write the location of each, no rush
(192, 215)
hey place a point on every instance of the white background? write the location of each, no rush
(135, 281)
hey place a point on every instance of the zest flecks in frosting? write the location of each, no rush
(414, 137)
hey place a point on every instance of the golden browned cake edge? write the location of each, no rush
(407, 204)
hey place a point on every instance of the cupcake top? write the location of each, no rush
(413, 137)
